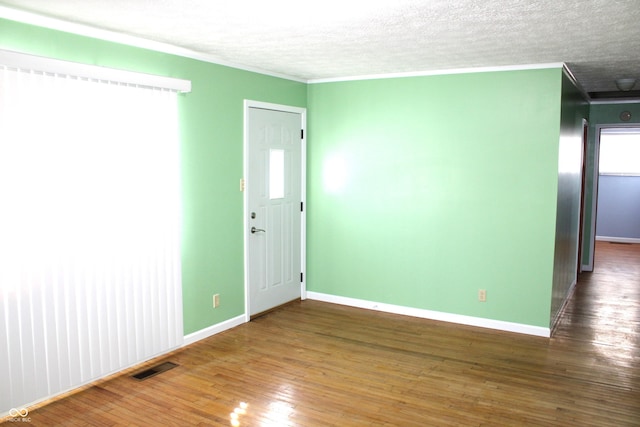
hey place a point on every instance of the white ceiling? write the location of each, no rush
(310, 40)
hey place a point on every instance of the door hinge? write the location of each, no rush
(301, 133)
(301, 277)
(301, 206)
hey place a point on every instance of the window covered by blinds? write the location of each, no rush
(90, 279)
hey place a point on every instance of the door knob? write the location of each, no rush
(255, 230)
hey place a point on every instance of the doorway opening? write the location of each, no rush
(616, 195)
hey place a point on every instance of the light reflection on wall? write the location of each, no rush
(335, 173)
(569, 155)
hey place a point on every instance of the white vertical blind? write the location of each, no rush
(90, 278)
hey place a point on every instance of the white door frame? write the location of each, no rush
(246, 181)
(594, 186)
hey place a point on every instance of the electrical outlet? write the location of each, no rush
(216, 300)
(482, 295)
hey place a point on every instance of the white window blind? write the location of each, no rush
(90, 279)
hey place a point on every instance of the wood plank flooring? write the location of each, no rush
(316, 364)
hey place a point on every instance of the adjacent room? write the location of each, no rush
(619, 185)
(337, 213)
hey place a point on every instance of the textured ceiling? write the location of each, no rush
(598, 39)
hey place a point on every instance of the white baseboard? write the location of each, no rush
(433, 315)
(587, 267)
(618, 239)
(213, 329)
(567, 297)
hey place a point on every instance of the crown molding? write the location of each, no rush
(440, 72)
(125, 39)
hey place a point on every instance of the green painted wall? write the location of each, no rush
(574, 108)
(423, 190)
(212, 132)
(600, 114)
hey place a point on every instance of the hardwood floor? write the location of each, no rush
(316, 364)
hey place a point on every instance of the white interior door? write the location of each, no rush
(274, 186)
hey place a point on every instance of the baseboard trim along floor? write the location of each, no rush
(214, 329)
(433, 315)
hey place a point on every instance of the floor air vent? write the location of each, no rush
(158, 369)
